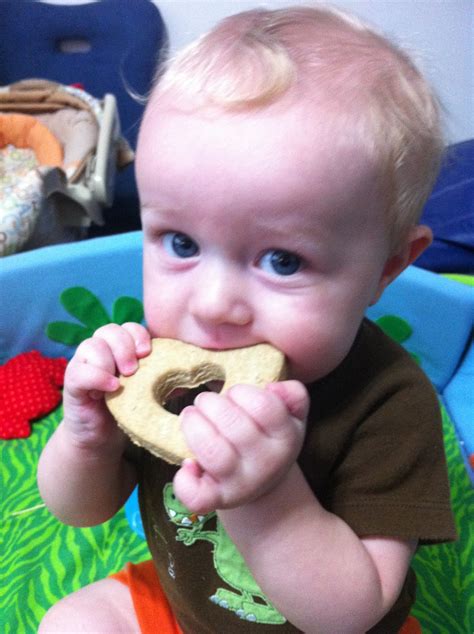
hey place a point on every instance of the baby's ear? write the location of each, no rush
(419, 238)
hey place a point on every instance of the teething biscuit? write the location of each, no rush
(138, 405)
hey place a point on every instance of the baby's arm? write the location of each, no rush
(83, 474)
(319, 574)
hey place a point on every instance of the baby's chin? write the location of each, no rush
(309, 373)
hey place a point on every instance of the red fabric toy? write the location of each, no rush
(29, 389)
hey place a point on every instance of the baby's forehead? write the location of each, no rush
(297, 131)
(282, 153)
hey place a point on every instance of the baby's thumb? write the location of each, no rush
(294, 395)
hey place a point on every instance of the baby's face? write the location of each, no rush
(258, 228)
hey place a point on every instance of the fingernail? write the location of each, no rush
(142, 347)
(130, 367)
(114, 384)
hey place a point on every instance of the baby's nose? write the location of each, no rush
(222, 300)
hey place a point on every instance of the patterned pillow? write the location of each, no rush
(21, 189)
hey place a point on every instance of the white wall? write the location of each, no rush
(440, 33)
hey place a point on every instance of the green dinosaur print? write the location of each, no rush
(246, 599)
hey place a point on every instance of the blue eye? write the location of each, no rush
(179, 245)
(280, 262)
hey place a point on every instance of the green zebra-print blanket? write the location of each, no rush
(445, 573)
(42, 560)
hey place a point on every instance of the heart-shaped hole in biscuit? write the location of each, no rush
(181, 397)
(176, 390)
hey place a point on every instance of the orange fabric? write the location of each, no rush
(151, 605)
(24, 131)
(153, 610)
(411, 626)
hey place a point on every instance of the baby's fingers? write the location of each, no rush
(141, 338)
(121, 344)
(196, 489)
(294, 395)
(215, 453)
(268, 410)
(85, 377)
(91, 369)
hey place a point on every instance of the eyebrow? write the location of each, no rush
(152, 209)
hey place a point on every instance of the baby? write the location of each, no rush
(282, 164)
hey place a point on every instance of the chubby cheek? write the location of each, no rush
(161, 301)
(151, 315)
(315, 349)
(161, 319)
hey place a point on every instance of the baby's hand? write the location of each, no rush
(93, 371)
(245, 442)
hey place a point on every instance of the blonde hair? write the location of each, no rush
(253, 59)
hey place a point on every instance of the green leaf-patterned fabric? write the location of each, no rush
(82, 304)
(85, 306)
(68, 332)
(127, 309)
(396, 327)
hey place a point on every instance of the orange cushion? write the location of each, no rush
(24, 131)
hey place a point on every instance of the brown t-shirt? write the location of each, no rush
(373, 455)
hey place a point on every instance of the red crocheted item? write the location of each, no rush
(29, 389)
